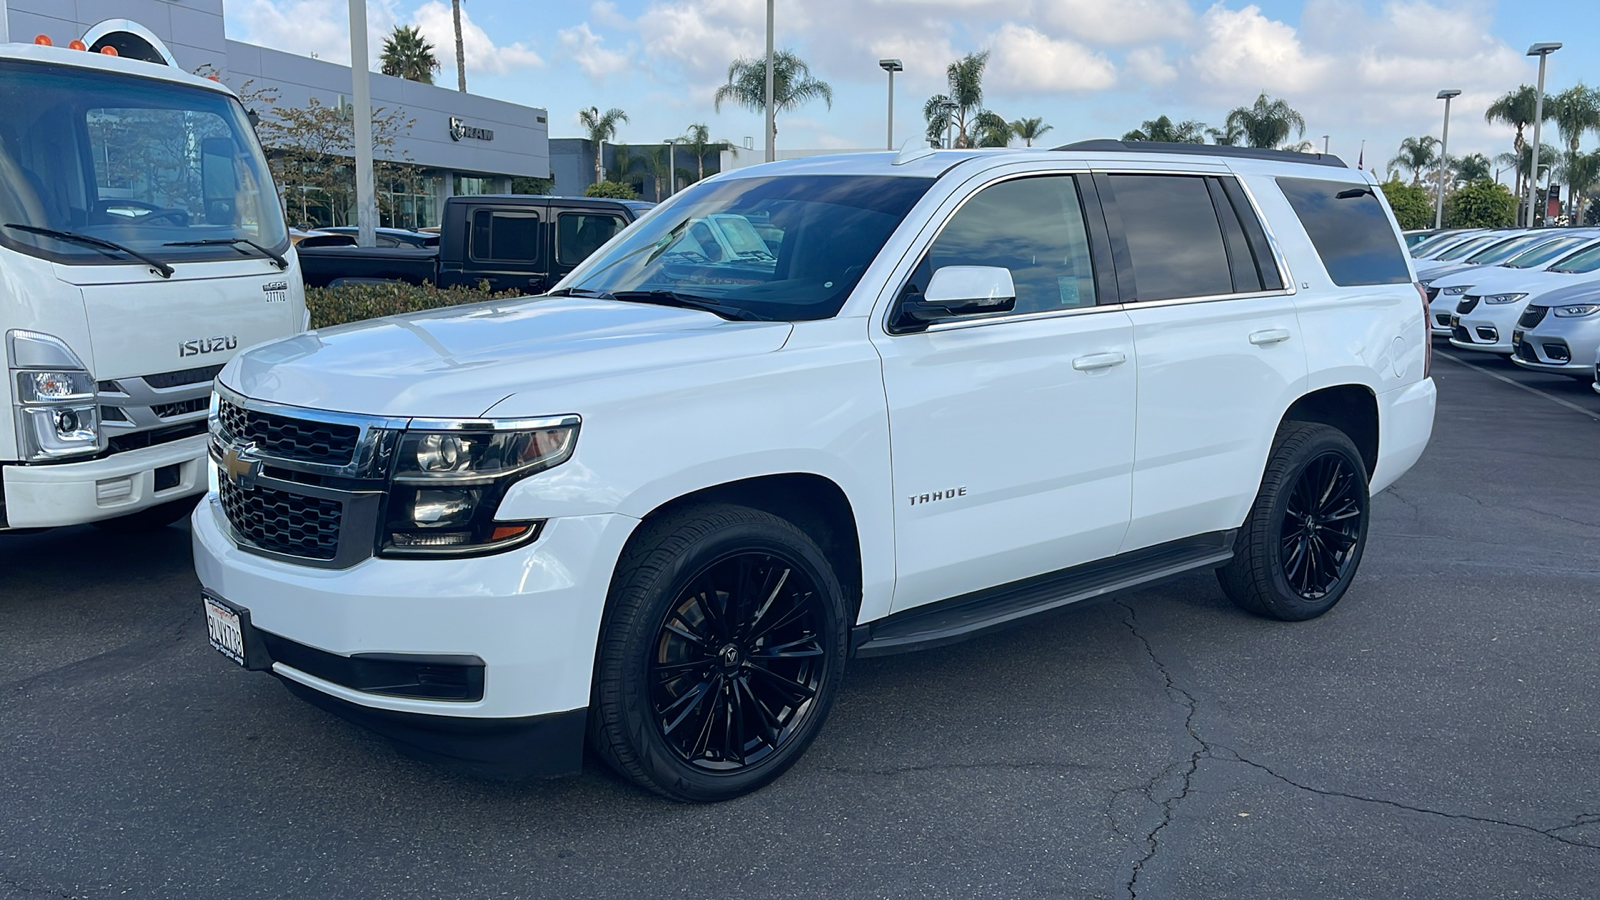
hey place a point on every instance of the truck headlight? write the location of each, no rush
(450, 476)
(1502, 298)
(57, 411)
(1576, 311)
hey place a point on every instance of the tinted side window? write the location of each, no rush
(580, 234)
(1174, 239)
(1032, 226)
(505, 236)
(1350, 231)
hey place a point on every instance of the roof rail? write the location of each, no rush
(1104, 145)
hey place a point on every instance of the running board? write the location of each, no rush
(969, 615)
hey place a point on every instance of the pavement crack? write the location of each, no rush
(1234, 756)
(32, 890)
(1185, 769)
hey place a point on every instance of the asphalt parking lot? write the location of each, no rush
(1434, 736)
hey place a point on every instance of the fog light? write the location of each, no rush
(66, 422)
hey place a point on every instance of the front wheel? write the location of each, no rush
(1299, 550)
(723, 647)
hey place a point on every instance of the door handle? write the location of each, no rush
(1098, 361)
(1270, 336)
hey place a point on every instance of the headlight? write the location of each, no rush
(57, 413)
(1455, 290)
(1578, 311)
(450, 476)
(1502, 298)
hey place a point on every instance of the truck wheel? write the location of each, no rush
(153, 519)
(1301, 545)
(722, 649)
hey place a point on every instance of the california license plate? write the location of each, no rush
(222, 625)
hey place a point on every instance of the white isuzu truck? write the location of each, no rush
(141, 247)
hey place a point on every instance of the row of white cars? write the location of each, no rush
(1532, 295)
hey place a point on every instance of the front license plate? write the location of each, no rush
(227, 636)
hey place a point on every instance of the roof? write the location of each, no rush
(100, 62)
(1214, 150)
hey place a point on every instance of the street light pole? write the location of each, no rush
(772, 128)
(1444, 154)
(1324, 145)
(891, 66)
(361, 113)
(672, 165)
(949, 107)
(1542, 51)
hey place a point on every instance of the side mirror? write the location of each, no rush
(959, 291)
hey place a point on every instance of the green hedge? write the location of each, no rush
(354, 302)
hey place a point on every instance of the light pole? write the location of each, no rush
(361, 113)
(1324, 145)
(1444, 154)
(1542, 51)
(891, 66)
(949, 108)
(672, 165)
(772, 128)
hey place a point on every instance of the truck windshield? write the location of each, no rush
(785, 247)
(138, 162)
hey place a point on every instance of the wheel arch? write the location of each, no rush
(1351, 408)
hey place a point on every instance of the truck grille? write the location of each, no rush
(283, 522)
(1532, 316)
(1467, 304)
(139, 412)
(300, 440)
(165, 380)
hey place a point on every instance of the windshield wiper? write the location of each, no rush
(162, 268)
(277, 259)
(686, 301)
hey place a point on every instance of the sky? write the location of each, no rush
(1358, 70)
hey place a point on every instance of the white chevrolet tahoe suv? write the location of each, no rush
(809, 411)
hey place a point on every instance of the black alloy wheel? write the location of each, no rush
(722, 646)
(1322, 523)
(1299, 549)
(738, 661)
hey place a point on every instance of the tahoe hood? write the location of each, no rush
(459, 362)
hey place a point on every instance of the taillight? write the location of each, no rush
(1427, 331)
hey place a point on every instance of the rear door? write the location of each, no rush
(579, 233)
(508, 246)
(1220, 350)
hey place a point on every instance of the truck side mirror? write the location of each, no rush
(957, 292)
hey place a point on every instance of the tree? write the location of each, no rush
(1029, 130)
(529, 185)
(407, 54)
(1416, 155)
(1163, 129)
(1582, 173)
(1517, 108)
(792, 85)
(1576, 110)
(602, 127)
(1474, 167)
(610, 189)
(963, 104)
(461, 61)
(990, 130)
(1412, 206)
(626, 168)
(311, 154)
(697, 141)
(1267, 123)
(1226, 136)
(1482, 204)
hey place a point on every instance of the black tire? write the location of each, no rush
(769, 661)
(153, 519)
(1302, 542)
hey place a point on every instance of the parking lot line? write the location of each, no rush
(1517, 384)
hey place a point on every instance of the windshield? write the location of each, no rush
(1437, 242)
(787, 247)
(1462, 249)
(1543, 253)
(1506, 249)
(1579, 263)
(136, 161)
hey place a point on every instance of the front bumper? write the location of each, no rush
(1440, 309)
(46, 496)
(531, 615)
(1559, 346)
(1487, 328)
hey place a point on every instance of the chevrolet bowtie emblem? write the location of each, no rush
(239, 470)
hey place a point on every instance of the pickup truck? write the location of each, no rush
(512, 241)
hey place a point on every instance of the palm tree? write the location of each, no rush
(1163, 129)
(1473, 167)
(792, 85)
(627, 168)
(938, 113)
(1516, 108)
(1417, 155)
(1582, 173)
(1227, 136)
(1266, 123)
(461, 62)
(602, 127)
(1576, 110)
(1029, 130)
(407, 54)
(991, 130)
(697, 140)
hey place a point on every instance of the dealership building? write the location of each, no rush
(459, 143)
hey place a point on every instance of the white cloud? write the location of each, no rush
(1245, 49)
(1120, 21)
(1026, 61)
(308, 27)
(483, 55)
(1150, 65)
(582, 45)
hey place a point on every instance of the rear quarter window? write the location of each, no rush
(1350, 231)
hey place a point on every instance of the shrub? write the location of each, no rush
(1411, 204)
(1482, 204)
(354, 302)
(614, 190)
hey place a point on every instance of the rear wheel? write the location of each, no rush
(723, 647)
(1299, 550)
(153, 519)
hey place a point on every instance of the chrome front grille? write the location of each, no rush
(154, 409)
(284, 437)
